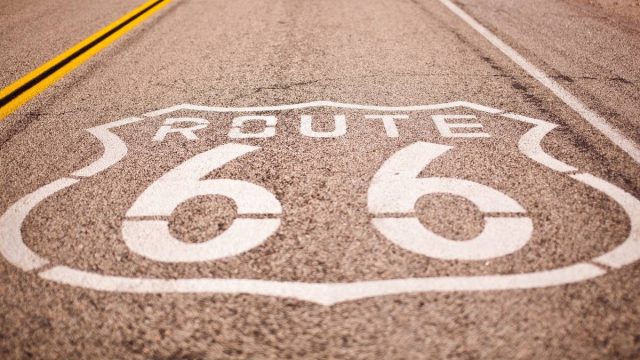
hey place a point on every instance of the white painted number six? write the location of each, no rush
(151, 238)
(395, 188)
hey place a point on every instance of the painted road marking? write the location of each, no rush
(152, 239)
(333, 104)
(184, 181)
(114, 148)
(11, 245)
(18, 93)
(324, 294)
(573, 102)
(466, 126)
(396, 188)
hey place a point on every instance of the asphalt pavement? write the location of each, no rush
(382, 179)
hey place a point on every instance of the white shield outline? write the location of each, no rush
(17, 253)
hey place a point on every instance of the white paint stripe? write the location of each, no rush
(302, 291)
(325, 294)
(566, 275)
(321, 104)
(12, 246)
(114, 148)
(530, 143)
(590, 116)
(629, 251)
(152, 239)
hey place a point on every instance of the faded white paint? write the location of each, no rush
(445, 126)
(151, 239)
(12, 246)
(389, 123)
(395, 188)
(188, 132)
(340, 127)
(323, 103)
(324, 293)
(530, 143)
(114, 148)
(237, 123)
(629, 251)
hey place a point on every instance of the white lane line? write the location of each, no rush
(589, 115)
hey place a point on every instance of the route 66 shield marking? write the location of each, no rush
(411, 167)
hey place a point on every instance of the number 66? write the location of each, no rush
(395, 188)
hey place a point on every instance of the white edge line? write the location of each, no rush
(590, 116)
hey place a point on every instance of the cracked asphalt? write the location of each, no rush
(212, 223)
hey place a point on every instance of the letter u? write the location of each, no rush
(307, 130)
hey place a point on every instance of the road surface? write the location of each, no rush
(410, 179)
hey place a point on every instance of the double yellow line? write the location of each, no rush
(18, 93)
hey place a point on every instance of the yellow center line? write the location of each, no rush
(30, 85)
